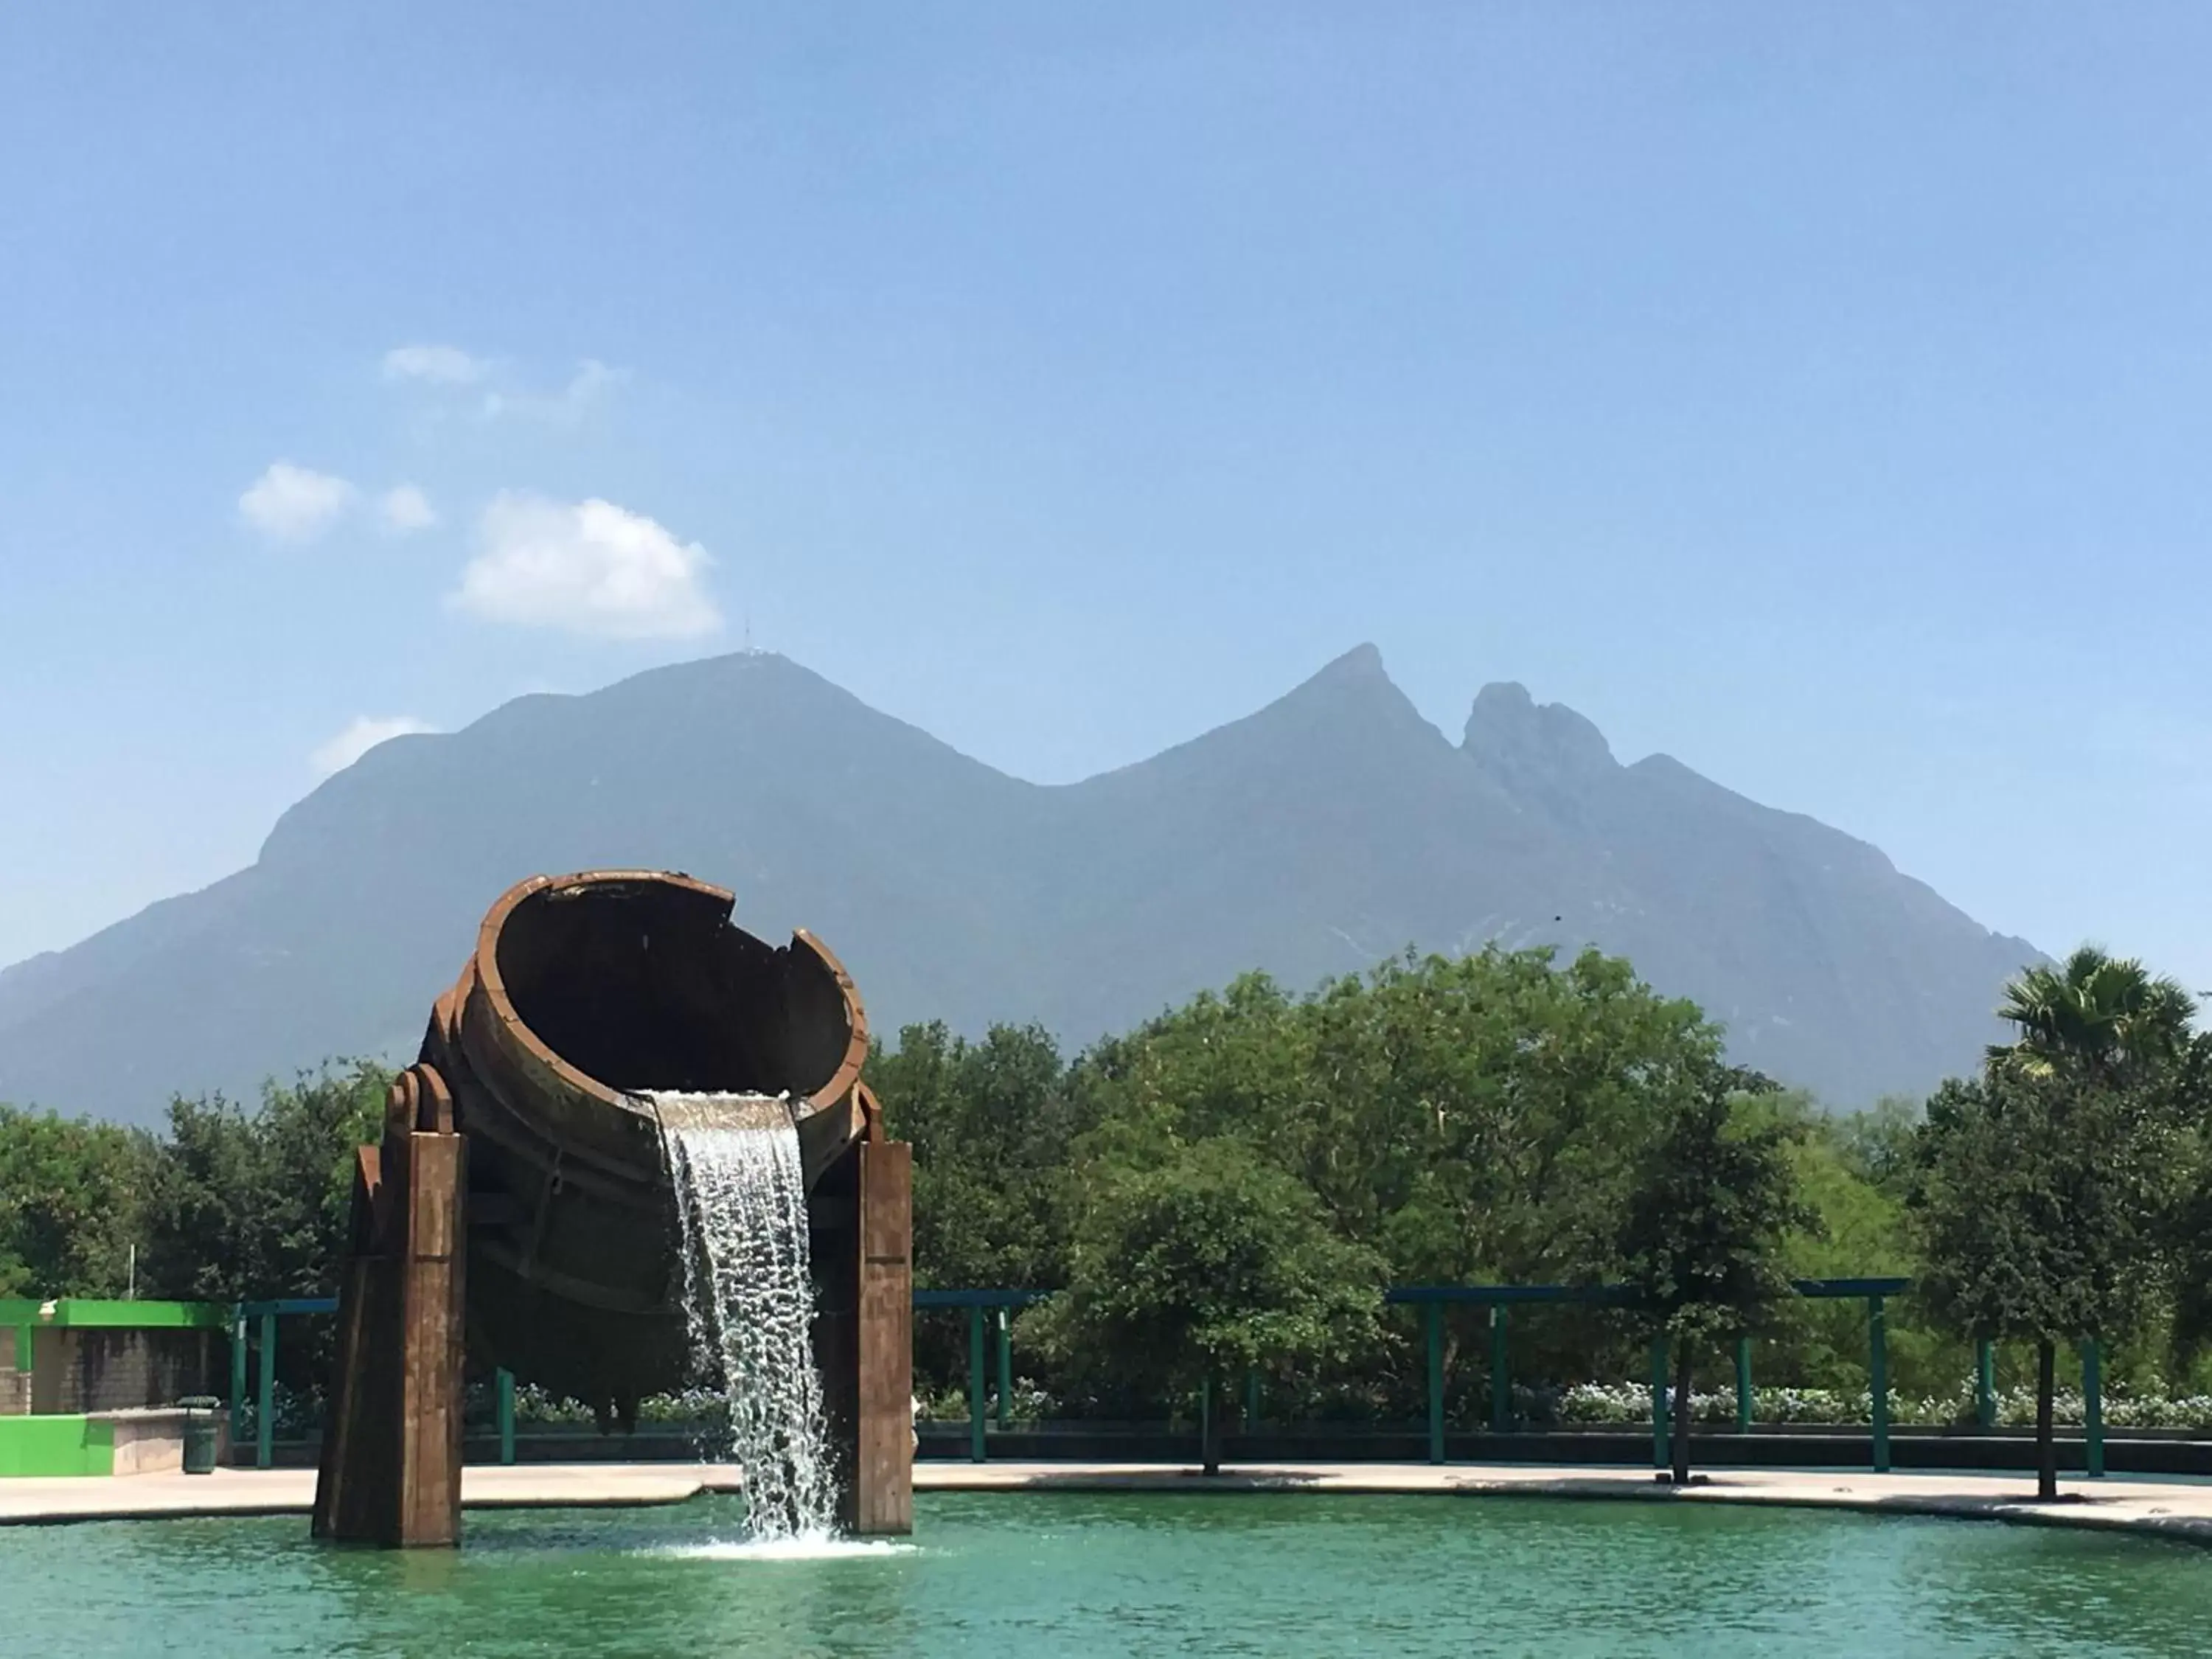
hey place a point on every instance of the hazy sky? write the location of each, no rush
(1817, 394)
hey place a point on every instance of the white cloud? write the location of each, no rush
(498, 394)
(592, 380)
(441, 365)
(589, 568)
(404, 508)
(586, 387)
(363, 734)
(290, 503)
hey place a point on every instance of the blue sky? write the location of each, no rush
(1817, 395)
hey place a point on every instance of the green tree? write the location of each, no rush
(1876, 1144)
(990, 1123)
(1855, 1170)
(1463, 1117)
(1235, 1062)
(2098, 1024)
(256, 1203)
(2037, 1199)
(1202, 1263)
(2187, 1234)
(1460, 1115)
(1472, 1112)
(1699, 1243)
(70, 1204)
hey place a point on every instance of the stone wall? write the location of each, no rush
(97, 1370)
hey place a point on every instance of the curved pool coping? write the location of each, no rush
(2165, 1509)
(2169, 1510)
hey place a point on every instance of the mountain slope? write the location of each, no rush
(1824, 962)
(1329, 829)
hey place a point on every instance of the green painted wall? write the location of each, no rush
(84, 1311)
(56, 1445)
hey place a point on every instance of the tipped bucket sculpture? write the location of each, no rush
(519, 1211)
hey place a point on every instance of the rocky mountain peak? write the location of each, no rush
(1513, 735)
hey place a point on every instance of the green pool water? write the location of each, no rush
(1053, 1574)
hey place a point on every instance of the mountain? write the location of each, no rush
(1331, 828)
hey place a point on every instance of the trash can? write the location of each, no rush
(203, 1427)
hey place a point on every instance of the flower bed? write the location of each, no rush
(1631, 1402)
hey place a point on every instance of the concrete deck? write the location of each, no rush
(2172, 1511)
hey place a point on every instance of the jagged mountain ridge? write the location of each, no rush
(1331, 827)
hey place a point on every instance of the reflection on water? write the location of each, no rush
(1066, 1574)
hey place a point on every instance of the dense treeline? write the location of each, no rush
(1504, 1117)
(227, 1202)
(1228, 1189)
(1483, 1119)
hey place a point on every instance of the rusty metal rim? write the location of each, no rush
(847, 1074)
(494, 986)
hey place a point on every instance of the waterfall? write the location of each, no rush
(750, 1303)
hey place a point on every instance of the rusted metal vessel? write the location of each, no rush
(519, 1210)
(584, 992)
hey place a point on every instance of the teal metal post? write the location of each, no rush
(1743, 1385)
(1251, 1399)
(1661, 1458)
(1005, 1372)
(2092, 1409)
(1986, 1384)
(1878, 1381)
(1205, 1411)
(1501, 1375)
(975, 1384)
(265, 1427)
(1435, 1311)
(237, 1380)
(506, 1415)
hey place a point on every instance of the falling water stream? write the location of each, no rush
(742, 1201)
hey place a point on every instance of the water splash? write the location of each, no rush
(784, 1549)
(741, 1198)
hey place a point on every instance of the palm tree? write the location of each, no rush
(2108, 1015)
(2092, 1023)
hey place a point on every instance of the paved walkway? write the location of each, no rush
(291, 1492)
(2174, 1511)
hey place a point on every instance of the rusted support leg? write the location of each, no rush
(346, 1489)
(430, 1389)
(882, 1467)
(390, 1469)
